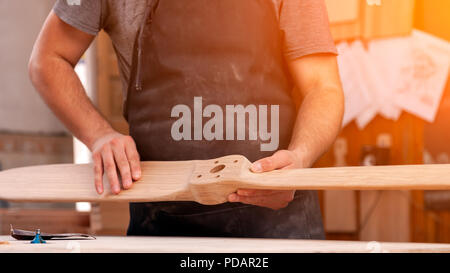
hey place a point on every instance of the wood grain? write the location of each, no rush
(210, 181)
(215, 245)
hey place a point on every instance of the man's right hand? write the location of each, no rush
(113, 152)
(57, 50)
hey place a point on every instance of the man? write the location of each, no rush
(204, 79)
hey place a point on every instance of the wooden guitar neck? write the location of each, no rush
(210, 181)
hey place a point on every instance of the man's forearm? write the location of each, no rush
(56, 52)
(61, 89)
(318, 123)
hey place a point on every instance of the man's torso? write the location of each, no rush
(122, 22)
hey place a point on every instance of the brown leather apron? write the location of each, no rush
(226, 52)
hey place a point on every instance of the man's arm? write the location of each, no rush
(320, 116)
(317, 125)
(56, 52)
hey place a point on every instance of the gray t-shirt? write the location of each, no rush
(303, 22)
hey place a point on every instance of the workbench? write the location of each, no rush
(213, 245)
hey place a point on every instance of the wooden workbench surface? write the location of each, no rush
(212, 245)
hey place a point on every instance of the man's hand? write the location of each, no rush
(283, 159)
(318, 123)
(111, 152)
(57, 50)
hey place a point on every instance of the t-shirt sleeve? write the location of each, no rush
(306, 28)
(85, 15)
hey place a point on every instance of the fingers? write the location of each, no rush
(116, 154)
(98, 172)
(275, 201)
(278, 160)
(122, 163)
(109, 166)
(133, 158)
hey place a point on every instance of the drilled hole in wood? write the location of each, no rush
(217, 168)
(217, 161)
(236, 161)
(217, 176)
(198, 176)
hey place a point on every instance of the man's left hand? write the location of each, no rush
(274, 199)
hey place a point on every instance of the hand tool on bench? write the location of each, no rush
(37, 238)
(20, 234)
(210, 181)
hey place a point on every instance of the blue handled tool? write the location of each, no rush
(37, 238)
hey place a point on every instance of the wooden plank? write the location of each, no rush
(109, 85)
(214, 245)
(340, 11)
(346, 18)
(387, 221)
(104, 50)
(210, 181)
(340, 207)
(391, 18)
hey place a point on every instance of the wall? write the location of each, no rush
(29, 133)
(21, 109)
(431, 215)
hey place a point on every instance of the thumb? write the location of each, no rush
(278, 160)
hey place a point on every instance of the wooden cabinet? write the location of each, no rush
(372, 215)
(362, 19)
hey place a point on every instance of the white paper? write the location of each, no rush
(395, 74)
(416, 69)
(380, 97)
(356, 94)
